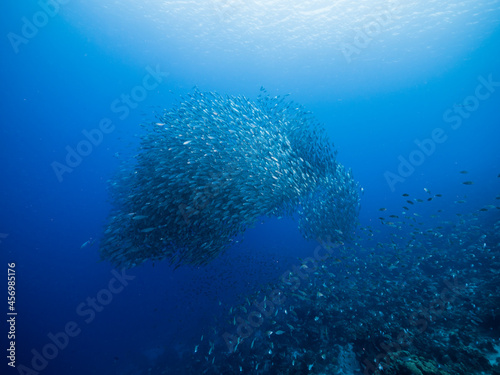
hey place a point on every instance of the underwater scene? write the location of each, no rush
(250, 187)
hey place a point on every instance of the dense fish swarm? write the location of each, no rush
(210, 167)
(427, 301)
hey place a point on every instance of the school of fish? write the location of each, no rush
(210, 167)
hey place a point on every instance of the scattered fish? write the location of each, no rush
(90, 242)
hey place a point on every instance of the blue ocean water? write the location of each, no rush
(409, 92)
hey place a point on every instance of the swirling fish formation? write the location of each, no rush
(212, 166)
